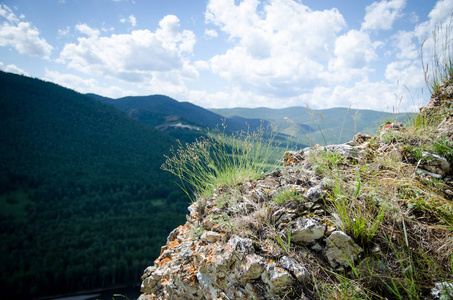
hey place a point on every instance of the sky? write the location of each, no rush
(230, 53)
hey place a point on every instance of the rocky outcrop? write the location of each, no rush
(236, 244)
(249, 242)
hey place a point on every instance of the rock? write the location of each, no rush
(172, 236)
(242, 246)
(347, 151)
(443, 290)
(185, 250)
(210, 236)
(150, 281)
(208, 223)
(307, 230)
(276, 173)
(252, 269)
(293, 157)
(300, 272)
(245, 187)
(277, 278)
(392, 126)
(360, 138)
(210, 289)
(341, 250)
(314, 193)
(435, 164)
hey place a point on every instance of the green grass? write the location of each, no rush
(440, 70)
(287, 194)
(222, 160)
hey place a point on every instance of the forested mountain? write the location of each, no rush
(182, 120)
(83, 202)
(324, 126)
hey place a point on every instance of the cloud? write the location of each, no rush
(7, 13)
(406, 69)
(382, 15)
(12, 69)
(87, 30)
(86, 85)
(354, 51)
(279, 49)
(22, 36)
(154, 62)
(407, 72)
(63, 32)
(211, 33)
(131, 19)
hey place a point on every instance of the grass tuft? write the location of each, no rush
(221, 160)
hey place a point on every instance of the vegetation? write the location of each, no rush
(83, 202)
(440, 68)
(221, 160)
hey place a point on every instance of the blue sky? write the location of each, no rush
(229, 53)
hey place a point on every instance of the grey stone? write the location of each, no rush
(443, 290)
(276, 278)
(252, 269)
(435, 164)
(314, 193)
(307, 230)
(172, 236)
(300, 272)
(341, 250)
(185, 250)
(210, 236)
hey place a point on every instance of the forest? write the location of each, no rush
(83, 201)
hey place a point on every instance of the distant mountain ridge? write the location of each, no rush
(163, 112)
(323, 126)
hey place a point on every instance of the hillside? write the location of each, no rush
(78, 179)
(182, 120)
(367, 219)
(324, 126)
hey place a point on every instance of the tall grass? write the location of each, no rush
(221, 160)
(441, 68)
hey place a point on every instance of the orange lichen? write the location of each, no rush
(173, 244)
(164, 261)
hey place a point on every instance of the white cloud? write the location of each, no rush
(378, 96)
(87, 30)
(406, 69)
(8, 14)
(211, 33)
(86, 85)
(23, 36)
(354, 51)
(154, 62)
(404, 45)
(279, 50)
(63, 32)
(131, 19)
(382, 15)
(409, 73)
(12, 69)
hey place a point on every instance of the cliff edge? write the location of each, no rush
(372, 218)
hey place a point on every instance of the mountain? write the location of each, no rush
(179, 119)
(325, 126)
(83, 202)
